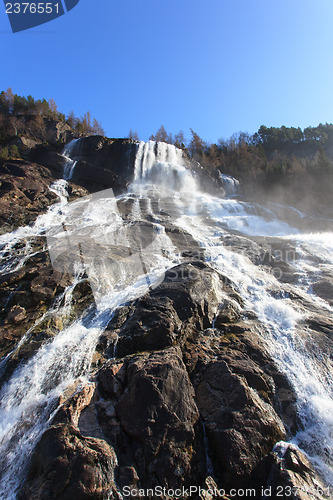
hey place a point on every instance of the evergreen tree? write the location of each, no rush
(10, 99)
(4, 104)
(31, 104)
(71, 119)
(53, 108)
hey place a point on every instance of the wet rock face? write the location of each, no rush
(67, 465)
(235, 415)
(104, 163)
(324, 289)
(26, 295)
(291, 475)
(149, 413)
(24, 193)
(185, 302)
(57, 131)
(101, 163)
(191, 393)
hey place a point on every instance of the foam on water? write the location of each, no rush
(246, 218)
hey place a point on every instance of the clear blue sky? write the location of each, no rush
(217, 66)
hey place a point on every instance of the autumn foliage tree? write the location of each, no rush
(161, 136)
(133, 135)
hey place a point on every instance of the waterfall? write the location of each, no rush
(151, 153)
(230, 184)
(163, 165)
(207, 219)
(109, 239)
(310, 372)
(70, 164)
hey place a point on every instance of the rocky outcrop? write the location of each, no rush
(49, 156)
(291, 475)
(26, 298)
(186, 302)
(67, 465)
(101, 163)
(24, 193)
(209, 179)
(236, 396)
(104, 163)
(149, 414)
(192, 393)
(56, 131)
(25, 131)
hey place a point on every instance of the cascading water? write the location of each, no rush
(208, 219)
(109, 240)
(31, 394)
(230, 184)
(69, 163)
(162, 165)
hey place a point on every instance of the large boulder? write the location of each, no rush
(292, 476)
(149, 414)
(186, 302)
(104, 163)
(101, 163)
(57, 131)
(67, 465)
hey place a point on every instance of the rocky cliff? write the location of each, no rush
(181, 391)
